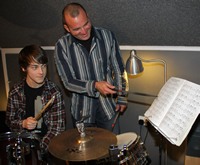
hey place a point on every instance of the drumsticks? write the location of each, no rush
(115, 121)
(37, 117)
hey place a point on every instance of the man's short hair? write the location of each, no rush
(32, 53)
(73, 10)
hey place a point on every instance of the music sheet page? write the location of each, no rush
(176, 109)
(165, 99)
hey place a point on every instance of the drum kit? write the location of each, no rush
(89, 145)
(20, 148)
(99, 146)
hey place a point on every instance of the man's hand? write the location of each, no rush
(105, 88)
(29, 123)
(120, 107)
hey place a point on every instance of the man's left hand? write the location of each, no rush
(120, 107)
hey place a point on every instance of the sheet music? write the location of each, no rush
(176, 109)
(165, 98)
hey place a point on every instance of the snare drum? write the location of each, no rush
(31, 156)
(132, 150)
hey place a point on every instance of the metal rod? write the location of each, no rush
(135, 93)
(154, 60)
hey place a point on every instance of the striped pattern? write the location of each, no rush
(79, 70)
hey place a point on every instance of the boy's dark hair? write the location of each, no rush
(32, 53)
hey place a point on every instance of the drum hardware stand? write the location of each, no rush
(18, 150)
(113, 154)
(80, 125)
(83, 138)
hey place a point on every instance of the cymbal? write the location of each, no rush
(70, 146)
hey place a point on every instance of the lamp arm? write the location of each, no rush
(153, 60)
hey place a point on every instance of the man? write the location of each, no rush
(27, 98)
(89, 62)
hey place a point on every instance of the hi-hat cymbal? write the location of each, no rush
(70, 146)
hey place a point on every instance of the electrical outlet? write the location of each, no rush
(142, 120)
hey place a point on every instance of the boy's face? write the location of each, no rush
(36, 74)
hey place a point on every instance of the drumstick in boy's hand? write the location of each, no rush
(37, 117)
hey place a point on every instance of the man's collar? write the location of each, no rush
(96, 33)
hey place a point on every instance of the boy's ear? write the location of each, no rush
(24, 70)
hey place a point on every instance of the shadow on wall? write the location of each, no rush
(27, 12)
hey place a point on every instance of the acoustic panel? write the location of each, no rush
(149, 22)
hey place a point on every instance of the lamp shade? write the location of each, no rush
(133, 64)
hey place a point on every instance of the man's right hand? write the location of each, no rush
(105, 88)
(29, 123)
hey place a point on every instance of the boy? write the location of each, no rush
(27, 98)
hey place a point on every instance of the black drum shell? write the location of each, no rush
(8, 139)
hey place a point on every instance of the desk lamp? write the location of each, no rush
(134, 66)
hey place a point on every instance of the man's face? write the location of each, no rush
(80, 26)
(35, 74)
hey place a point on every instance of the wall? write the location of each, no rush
(149, 22)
